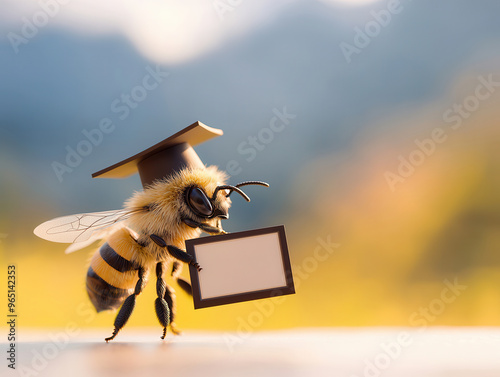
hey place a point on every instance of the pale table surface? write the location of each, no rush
(352, 352)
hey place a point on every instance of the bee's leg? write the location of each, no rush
(186, 287)
(212, 229)
(128, 306)
(161, 306)
(182, 256)
(176, 271)
(204, 227)
(174, 251)
(170, 299)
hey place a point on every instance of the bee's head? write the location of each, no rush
(215, 206)
(196, 195)
(200, 204)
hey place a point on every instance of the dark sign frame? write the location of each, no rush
(287, 289)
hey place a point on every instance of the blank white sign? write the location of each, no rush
(240, 266)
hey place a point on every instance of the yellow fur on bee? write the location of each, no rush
(159, 210)
(123, 244)
(124, 280)
(167, 207)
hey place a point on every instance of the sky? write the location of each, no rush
(359, 88)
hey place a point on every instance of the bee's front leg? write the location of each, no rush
(175, 252)
(204, 227)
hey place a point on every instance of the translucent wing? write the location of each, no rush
(80, 227)
(81, 245)
(99, 234)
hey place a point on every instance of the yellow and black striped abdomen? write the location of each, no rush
(112, 276)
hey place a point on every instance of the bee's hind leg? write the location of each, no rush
(161, 306)
(170, 299)
(170, 294)
(128, 306)
(176, 272)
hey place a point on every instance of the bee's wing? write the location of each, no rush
(81, 245)
(79, 227)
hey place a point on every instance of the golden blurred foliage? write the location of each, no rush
(403, 250)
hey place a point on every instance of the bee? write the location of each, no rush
(147, 235)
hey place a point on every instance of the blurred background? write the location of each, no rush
(375, 122)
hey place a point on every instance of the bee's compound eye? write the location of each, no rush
(199, 202)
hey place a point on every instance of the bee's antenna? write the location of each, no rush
(232, 188)
(236, 188)
(246, 183)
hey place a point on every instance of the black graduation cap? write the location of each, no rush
(168, 156)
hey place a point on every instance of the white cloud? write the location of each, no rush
(165, 31)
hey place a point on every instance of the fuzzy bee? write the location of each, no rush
(150, 236)
(178, 202)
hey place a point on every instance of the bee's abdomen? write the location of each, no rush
(103, 295)
(111, 277)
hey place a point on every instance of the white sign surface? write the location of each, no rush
(240, 266)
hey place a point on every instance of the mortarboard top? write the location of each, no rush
(168, 156)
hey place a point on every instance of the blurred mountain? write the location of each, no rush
(61, 83)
